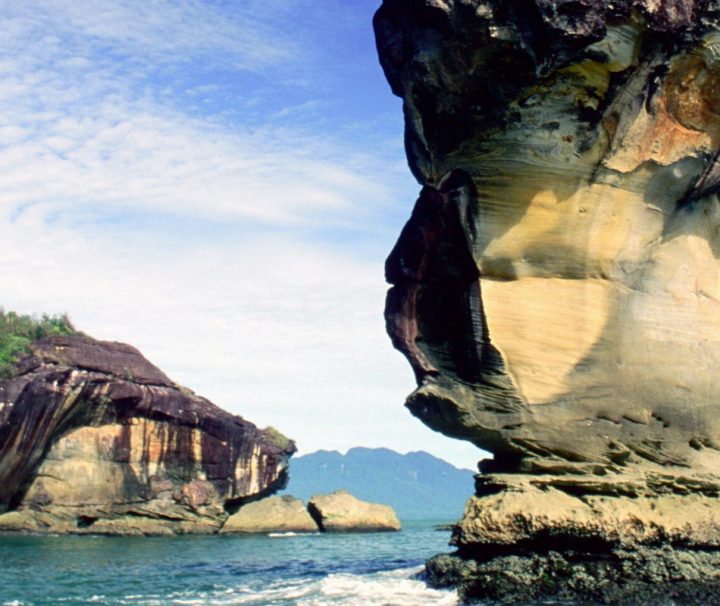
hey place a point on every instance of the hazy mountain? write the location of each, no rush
(418, 485)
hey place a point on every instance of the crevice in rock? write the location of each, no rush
(316, 516)
(86, 521)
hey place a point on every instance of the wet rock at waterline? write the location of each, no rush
(557, 287)
(95, 439)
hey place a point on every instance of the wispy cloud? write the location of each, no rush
(92, 113)
(151, 32)
(122, 155)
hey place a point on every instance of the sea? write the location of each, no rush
(378, 569)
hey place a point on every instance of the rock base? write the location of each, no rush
(336, 512)
(632, 538)
(142, 519)
(641, 577)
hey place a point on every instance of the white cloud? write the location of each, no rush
(81, 127)
(126, 157)
(190, 234)
(274, 329)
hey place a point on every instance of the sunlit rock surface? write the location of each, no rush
(557, 288)
(277, 514)
(340, 511)
(94, 438)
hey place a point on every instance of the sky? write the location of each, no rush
(218, 183)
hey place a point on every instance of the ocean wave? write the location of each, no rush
(253, 570)
(389, 588)
(396, 588)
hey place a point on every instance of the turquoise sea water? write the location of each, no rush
(309, 570)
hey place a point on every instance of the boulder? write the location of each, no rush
(273, 514)
(95, 439)
(342, 512)
(556, 288)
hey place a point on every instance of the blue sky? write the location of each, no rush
(218, 183)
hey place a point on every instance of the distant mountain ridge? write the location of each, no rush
(417, 485)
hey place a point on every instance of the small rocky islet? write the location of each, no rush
(417, 485)
(339, 511)
(94, 439)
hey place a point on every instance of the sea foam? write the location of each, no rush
(391, 588)
(388, 588)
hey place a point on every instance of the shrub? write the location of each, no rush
(18, 331)
(276, 437)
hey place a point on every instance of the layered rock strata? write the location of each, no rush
(95, 439)
(557, 287)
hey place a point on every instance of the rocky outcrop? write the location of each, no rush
(274, 514)
(342, 512)
(95, 439)
(557, 286)
(336, 512)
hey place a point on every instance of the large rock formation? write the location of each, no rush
(557, 288)
(94, 438)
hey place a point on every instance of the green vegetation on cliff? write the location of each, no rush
(18, 331)
(277, 438)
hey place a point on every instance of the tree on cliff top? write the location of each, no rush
(18, 331)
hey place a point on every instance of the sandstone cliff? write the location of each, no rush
(94, 438)
(557, 287)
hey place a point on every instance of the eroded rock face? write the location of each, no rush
(94, 438)
(557, 288)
